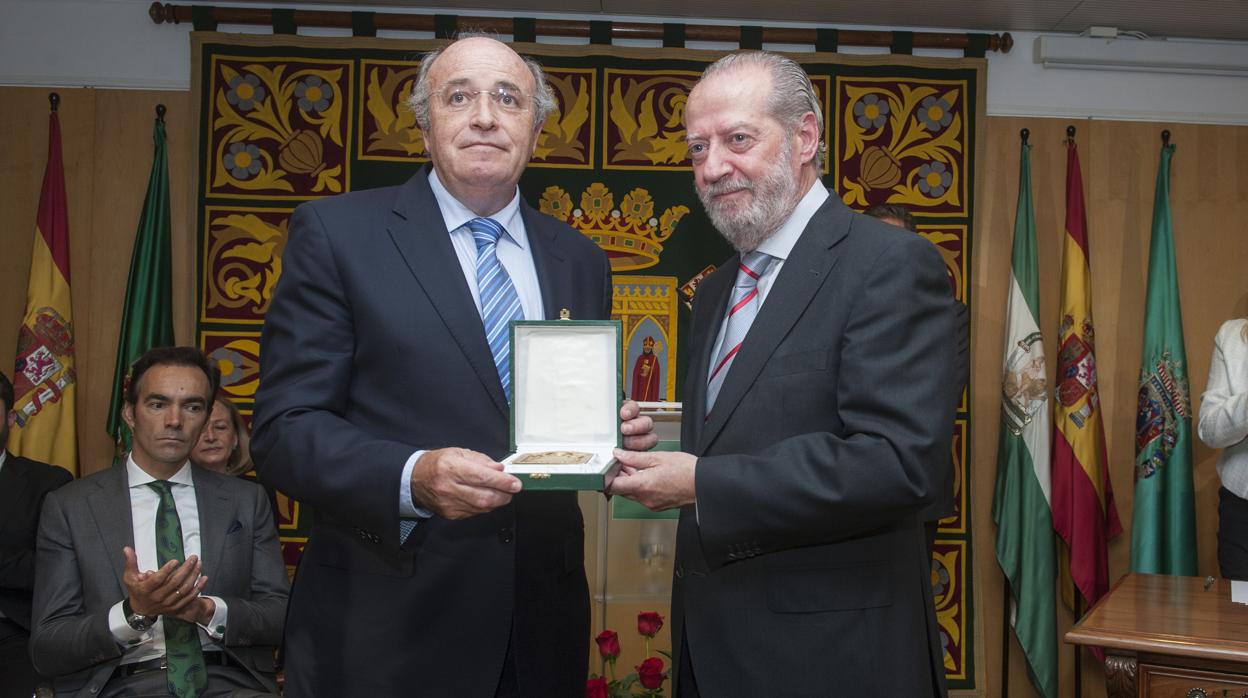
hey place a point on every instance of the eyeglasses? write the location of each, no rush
(459, 98)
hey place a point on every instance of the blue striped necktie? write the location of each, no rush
(499, 302)
(745, 304)
(499, 306)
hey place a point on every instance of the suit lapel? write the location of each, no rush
(804, 272)
(420, 234)
(547, 261)
(712, 298)
(216, 514)
(113, 519)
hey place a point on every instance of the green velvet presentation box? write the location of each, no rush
(565, 408)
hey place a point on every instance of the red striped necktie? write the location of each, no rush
(741, 313)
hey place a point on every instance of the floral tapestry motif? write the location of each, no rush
(902, 141)
(388, 129)
(957, 522)
(949, 566)
(242, 262)
(568, 133)
(950, 241)
(278, 128)
(644, 125)
(237, 354)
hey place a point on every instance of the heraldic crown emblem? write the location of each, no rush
(630, 234)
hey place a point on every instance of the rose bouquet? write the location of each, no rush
(647, 678)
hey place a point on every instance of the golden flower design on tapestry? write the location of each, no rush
(561, 134)
(649, 117)
(245, 258)
(596, 201)
(555, 202)
(637, 206)
(396, 129)
(256, 110)
(891, 129)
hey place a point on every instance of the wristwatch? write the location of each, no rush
(137, 621)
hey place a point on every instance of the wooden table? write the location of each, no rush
(1169, 636)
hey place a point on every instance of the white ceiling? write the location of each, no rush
(1208, 19)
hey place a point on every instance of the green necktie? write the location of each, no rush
(184, 656)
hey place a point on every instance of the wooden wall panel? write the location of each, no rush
(107, 142)
(1119, 162)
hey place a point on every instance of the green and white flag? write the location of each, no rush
(1021, 502)
(1163, 525)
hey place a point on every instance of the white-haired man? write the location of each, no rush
(818, 414)
(384, 405)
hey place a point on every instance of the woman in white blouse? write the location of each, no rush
(1224, 424)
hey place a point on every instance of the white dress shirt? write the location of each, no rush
(513, 253)
(1224, 407)
(779, 245)
(144, 501)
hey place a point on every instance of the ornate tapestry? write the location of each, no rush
(286, 119)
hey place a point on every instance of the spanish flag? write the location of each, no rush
(1084, 514)
(44, 379)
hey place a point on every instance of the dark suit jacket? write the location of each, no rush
(803, 570)
(80, 565)
(372, 349)
(23, 485)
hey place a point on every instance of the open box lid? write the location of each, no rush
(565, 383)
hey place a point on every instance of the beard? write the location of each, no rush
(745, 226)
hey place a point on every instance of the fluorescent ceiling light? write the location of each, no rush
(1147, 55)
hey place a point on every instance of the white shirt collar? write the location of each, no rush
(456, 215)
(138, 476)
(780, 243)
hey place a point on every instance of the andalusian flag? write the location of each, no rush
(146, 317)
(1163, 525)
(44, 378)
(1084, 514)
(1020, 506)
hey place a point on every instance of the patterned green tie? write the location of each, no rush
(184, 656)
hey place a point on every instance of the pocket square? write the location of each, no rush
(235, 527)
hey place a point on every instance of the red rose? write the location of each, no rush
(649, 623)
(596, 687)
(608, 644)
(650, 673)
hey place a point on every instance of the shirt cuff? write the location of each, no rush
(216, 626)
(407, 506)
(125, 635)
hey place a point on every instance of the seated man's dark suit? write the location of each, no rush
(829, 437)
(84, 527)
(373, 348)
(23, 485)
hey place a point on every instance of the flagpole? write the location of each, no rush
(1078, 599)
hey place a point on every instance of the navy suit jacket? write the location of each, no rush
(23, 485)
(803, 570)
(372, 349)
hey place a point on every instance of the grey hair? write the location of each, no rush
(792, 95)
(418, 102)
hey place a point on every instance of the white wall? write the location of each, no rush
(112, 43)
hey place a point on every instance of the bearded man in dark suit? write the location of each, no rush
(818, 411)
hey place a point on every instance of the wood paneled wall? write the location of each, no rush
(107, 141)
(1209, 196)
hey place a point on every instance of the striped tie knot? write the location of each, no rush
(485, 232)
